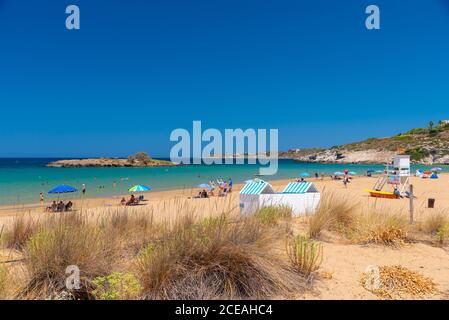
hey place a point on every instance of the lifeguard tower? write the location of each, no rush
(398, 176)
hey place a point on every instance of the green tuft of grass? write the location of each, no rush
(117, 286)
(305, 254)
(272, 215)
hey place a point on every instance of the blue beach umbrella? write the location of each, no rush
(205, 186)
(63, 189)
(370, 171)
(139, 188)
(305, 175)
(338, 173)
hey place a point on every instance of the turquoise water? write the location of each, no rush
(21, 180)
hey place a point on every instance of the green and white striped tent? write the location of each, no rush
(260, 187)
(300, 187)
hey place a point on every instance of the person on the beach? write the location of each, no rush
(345, 181)
(61, 206)
(131, 201)
(84, 189)
(123, 201)
(68, 206)
(316, 175)
(41, 197)
(397, 192)
(230, 185)
(225, 187)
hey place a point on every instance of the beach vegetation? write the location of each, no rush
(417, 154)
(379, 227)
(61, 244)
(437, 226)
(215, 260)
(357, 223)
(334, 213)
(3, 280)
(16, 236)
(116, 286)
(272, 215)
(398, 282)
(305, 254)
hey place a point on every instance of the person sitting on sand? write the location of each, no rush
(53, 207)
(204, 194)
(123, 201)
(131, 200)
(68, 206)
(61, 206)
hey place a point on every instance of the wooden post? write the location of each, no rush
(411, 204)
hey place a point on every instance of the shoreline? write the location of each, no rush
(423, 188)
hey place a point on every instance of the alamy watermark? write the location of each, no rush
(209, 147)
(72, 282)
(72, 21)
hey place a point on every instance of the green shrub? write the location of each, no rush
(116, 286)
(416, 131)
(272, 215)
(305, 254)
(417, 154)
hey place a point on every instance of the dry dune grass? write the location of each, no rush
(365, 223)
(192, 249)
(186, 255)
(437, 226)
(3, 278)
(215, 258)
(20, 232)
(396, 282)
(335, 212)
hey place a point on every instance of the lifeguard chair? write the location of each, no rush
(398, 176)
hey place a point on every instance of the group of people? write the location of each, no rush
(223, 186)
(133, 201)
(60, 206)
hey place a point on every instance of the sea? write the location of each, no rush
(22, 180)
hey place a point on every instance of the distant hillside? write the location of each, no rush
(425, 145)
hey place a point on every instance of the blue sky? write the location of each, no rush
(139, 69)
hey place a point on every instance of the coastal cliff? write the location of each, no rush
(425, 146)
(140, 159)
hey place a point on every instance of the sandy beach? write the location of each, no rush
(339, 276)
(423, 189)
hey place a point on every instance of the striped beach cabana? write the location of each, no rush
(302, 197)
(253, 188)
(299, 188)
(252, 195)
